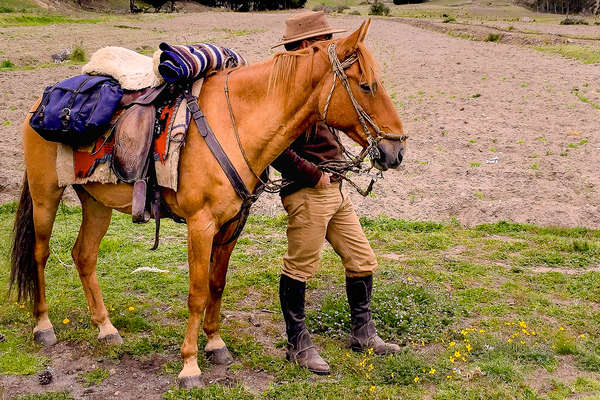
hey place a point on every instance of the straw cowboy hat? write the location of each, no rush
(306, 25)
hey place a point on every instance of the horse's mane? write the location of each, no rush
(284, 69)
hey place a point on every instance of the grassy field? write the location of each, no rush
(497, 311)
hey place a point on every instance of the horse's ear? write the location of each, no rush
(350, 43)
(365, 28)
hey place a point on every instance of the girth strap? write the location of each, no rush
(215, 147)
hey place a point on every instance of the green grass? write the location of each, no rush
(478, 317)
(34, 20)
(585, 54)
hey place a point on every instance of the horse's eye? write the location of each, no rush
(365, 87)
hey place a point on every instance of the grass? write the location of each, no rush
(585, 54)
(36, 20)
(482, 311)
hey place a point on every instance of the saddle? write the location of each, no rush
(133, 160)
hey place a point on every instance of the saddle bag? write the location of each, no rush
(78, 110)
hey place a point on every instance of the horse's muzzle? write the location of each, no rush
(390, 155)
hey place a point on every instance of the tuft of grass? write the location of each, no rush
(449, 19)
(47, 396)
(475, 164)
(78, 54)
(585, 54)
(36, 20)
(211, 392)
(94, 377)
(6, 64)
(493, 37)
(574, 21)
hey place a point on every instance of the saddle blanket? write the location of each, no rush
(189, 62)
(94, 163)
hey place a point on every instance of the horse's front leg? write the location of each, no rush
(201, 230)
(216, 350)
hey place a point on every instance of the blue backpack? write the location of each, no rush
(77, 110)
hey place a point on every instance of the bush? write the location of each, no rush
(449, 19)
(340, 9)
(573, 21)
(379, 8)
(78, 54)
(354, 12)
(6, 64)
(493, 37)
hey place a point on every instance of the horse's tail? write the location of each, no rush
(23, 272)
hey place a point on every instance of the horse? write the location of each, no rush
(272, 103)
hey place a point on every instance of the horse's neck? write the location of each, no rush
(267, 122)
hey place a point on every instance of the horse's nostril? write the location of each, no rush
(399, 158)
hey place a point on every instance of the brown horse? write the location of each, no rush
(273, 102)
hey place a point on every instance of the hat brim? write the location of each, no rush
(308, 35)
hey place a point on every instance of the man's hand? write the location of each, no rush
(323, 181)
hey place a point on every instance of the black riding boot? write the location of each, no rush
(363, 335)
(300, 348)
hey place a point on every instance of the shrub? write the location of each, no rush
(6, 64)
(493, 37)
(354, 12)
(340, 9)
(6, 9)
(449, 19)
(574, 21)
(78, 54)
(379, 8)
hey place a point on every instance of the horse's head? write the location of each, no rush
(353, 100)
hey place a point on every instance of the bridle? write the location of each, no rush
(338, 168)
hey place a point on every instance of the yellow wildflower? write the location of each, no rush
(416, 379)
(561, 329)
(66, 321)
(482, 331)
(523, 324)
(532, 333)
(409, 279)
(131, 308)
(451, 359)
(525, 331)
(367, 375)
(372, 389)
(432, 371)
(463, 332)
(522, 342)
(422, 343)
(452, 344)
(463, 358)
(22, 306)
(392, 375)
(448, 376)
(457, 354)
(509, 340)
(370, 351)
(371, 367)
(582, 335)
(469, 347)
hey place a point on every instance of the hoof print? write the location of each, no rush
(188, 382)
(112, 339)
(45, 337)
(220, 356)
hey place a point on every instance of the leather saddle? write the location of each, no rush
(132, 160)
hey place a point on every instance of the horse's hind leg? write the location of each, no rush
(45, 199)
(215, 349)
(94, 224)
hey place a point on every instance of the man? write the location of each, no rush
(318, 208)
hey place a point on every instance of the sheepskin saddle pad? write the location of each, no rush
(134, 71)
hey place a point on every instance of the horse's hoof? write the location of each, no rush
(220, 356)
(112, 339)
(188, 382)
(45, 337)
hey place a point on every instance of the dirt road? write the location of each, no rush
(496, 131)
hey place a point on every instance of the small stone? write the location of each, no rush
(2, 338)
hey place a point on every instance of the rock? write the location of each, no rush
(61, 56)
(526, 19)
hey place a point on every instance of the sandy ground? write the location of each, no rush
(464, 104)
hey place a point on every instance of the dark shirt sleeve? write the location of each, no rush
(296, 168)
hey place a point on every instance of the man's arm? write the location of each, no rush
(299, 169)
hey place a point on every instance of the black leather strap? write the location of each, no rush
(215, 147)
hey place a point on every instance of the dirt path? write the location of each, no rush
(464, 103)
